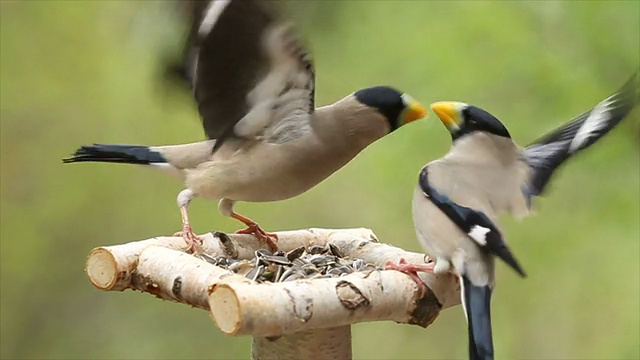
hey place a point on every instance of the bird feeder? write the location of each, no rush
(317, 284)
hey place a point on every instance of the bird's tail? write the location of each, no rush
(476, 301)
(128, 154)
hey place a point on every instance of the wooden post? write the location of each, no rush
(319, 344)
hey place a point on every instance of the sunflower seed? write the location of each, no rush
(295, 253)
(275, 259)
(294, 276)
(358, 264)
(316, 249)
(255, 272)
(335, 250)
(278, 273)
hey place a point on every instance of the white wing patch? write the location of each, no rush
(479, 234)
(212, 14)
(597, 120)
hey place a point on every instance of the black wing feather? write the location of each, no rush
(229, 62)
(466, 219)
(182, 71)
(548, 153)
(225, 59)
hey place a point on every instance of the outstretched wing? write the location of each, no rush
(248, 68)
(474, 223)
(547, 153)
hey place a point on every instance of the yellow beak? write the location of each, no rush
(448, 112)
(413, 110)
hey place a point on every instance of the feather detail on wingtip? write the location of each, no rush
(595, 122)
(545, 155)
(211, 15)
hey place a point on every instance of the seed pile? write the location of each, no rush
(315, 262)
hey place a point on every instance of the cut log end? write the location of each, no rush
(102, 269)
(225, 309)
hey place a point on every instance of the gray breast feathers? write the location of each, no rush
(484, 172)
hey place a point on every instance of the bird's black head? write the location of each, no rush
(397, 108)
(462, 119)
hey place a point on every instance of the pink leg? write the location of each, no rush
(255, 229)
(187, 233)
(411, 270)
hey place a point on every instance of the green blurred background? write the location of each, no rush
(88, 71)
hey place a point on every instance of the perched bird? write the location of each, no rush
(253, 82)
(458, 197)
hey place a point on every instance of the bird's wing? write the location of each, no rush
(250, 73)
(182, 71)
(547, 153)
(475, 224)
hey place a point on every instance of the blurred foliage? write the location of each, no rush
(81, 72)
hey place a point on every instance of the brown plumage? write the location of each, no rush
(253, 82)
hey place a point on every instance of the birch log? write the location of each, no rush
(111, 267)
(241, 306)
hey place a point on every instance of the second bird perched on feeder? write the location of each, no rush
(458, 197)
(254, 85)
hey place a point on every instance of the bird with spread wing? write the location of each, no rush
(254, 83)
(458, 198)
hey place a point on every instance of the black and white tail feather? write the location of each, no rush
(476, 301)
(547, 153)
(127, 154)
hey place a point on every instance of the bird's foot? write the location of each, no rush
(270, 238)
(192, 240)
(411, 270)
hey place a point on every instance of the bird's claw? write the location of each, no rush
(411, 270)
(254, 229)
(192, 240)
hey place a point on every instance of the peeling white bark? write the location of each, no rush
(274, 309)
